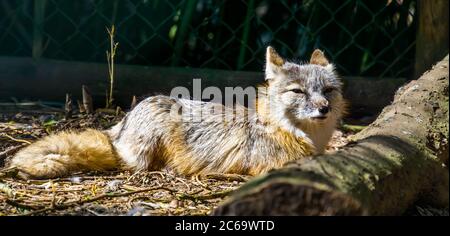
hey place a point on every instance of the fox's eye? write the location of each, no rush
(328, 90)
(297, 91)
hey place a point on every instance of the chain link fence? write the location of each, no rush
(362, 37)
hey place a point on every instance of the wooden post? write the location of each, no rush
(133, 103)
(87, 100)
(38, 28)
(183, 30)
(68, 109)
(432, 34)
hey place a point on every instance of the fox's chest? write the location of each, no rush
(320, 135)
(287, 146)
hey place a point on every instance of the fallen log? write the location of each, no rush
(399, 159)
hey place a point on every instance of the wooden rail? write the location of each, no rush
(25, 78)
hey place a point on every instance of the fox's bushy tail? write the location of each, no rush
(66, 153)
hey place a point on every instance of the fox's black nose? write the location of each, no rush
(324, 110)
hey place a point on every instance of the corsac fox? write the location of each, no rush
(295, 117)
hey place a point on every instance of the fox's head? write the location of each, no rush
(303, 94)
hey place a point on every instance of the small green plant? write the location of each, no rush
(110, 55)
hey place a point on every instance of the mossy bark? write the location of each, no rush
(400, 158)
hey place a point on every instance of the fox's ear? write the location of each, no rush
(274, 63)
(318, 58)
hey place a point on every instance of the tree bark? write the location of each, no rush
(399, 159)
(432, 33)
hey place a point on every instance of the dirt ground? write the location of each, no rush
(161, 193)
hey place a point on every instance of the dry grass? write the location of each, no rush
(122, 193)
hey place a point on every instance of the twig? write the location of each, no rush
(110, 55)
(134, 175)
(119, 111)
(71, 179)
(8, 172)
(199, 182)
(7, 190)
(6, 153)
(353, 128)
(99, 197)
(131, 200)
(15, 139)
(227, 177)
(21, 205)
(93, 212)
(184, 182)
(205, 197)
